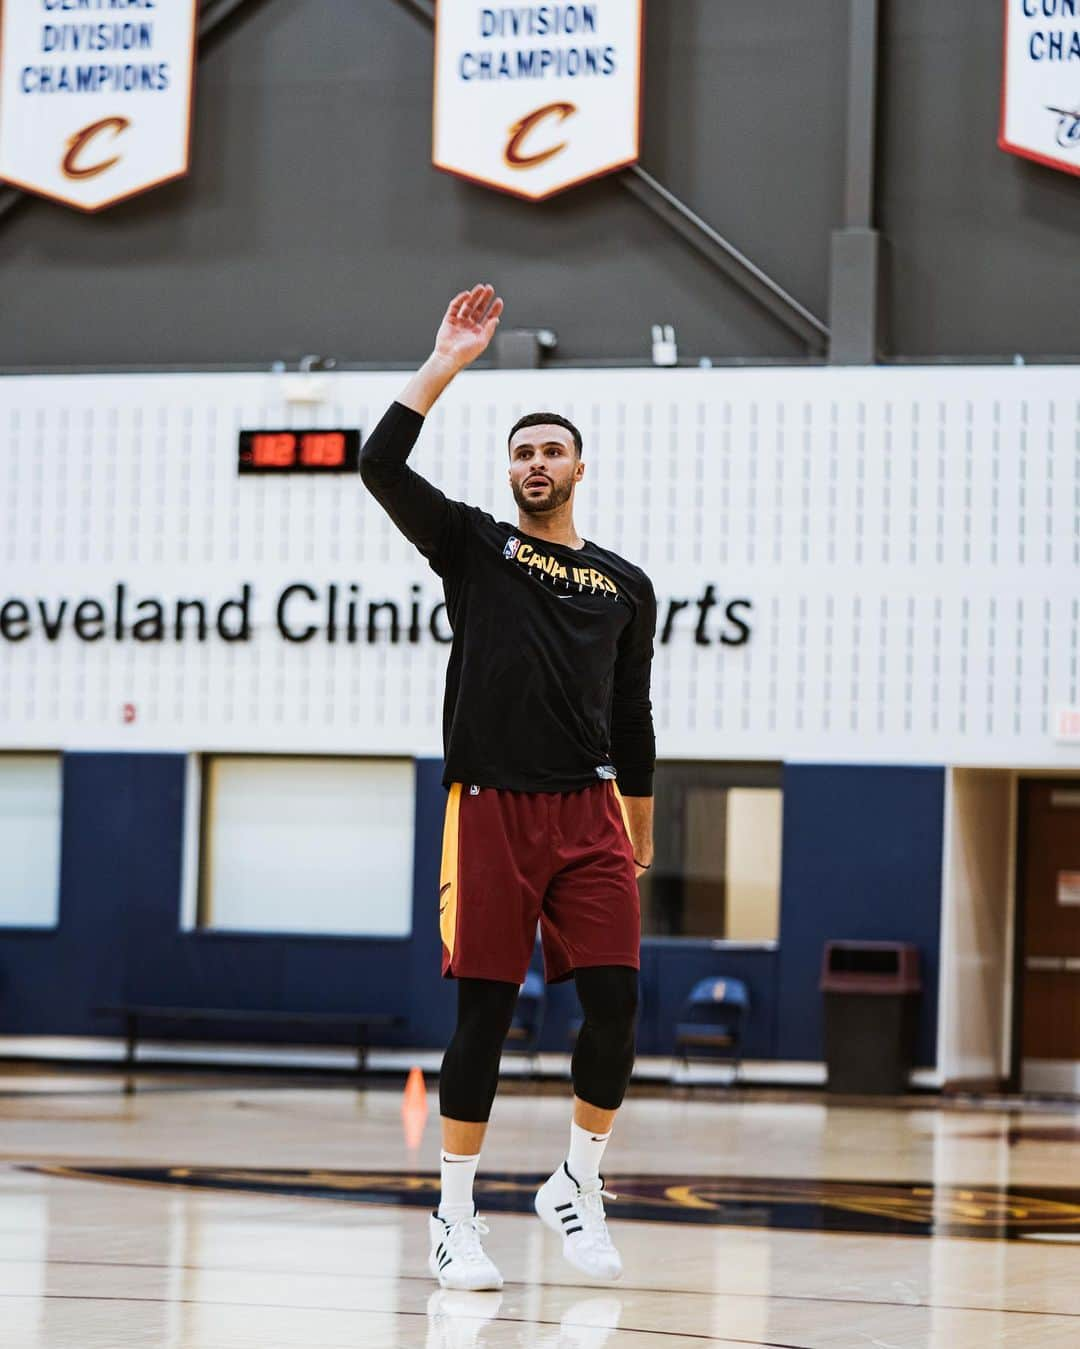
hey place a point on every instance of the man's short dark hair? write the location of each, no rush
(546, 419)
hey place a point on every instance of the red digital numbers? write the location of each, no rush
(273, 449)
(300, 451)
(322, 449)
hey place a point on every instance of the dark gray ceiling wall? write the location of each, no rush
(312, 222)
(982, 245)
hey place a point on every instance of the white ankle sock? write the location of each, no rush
(457, 1173)
(586, 1150)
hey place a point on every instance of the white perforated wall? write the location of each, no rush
(908, 540)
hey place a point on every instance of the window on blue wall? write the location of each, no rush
(307, 845)
(716, 873)
(29, 840)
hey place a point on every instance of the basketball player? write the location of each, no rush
(547, 708)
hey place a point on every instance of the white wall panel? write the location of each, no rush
(309, 845)
(909, 539)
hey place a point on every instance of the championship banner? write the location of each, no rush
(1040, 101)
(533, 99)
(95, 96)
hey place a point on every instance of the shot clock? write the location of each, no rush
(321, 451)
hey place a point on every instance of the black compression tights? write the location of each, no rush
(604, 1054)
(603, 1058)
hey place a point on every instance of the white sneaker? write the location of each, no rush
(576, 1212)
(457, 1258)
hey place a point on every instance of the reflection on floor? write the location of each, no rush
(209, 1216)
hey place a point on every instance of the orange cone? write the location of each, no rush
(414, 1108)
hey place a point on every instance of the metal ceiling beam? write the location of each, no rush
(856, 256)
(862, 119)
(709, 242)
(423, 9)
(211, 18)
(9, 199)
(725, 257)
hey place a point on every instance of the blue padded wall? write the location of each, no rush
(861, 860)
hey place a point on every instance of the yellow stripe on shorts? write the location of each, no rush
(448, 871)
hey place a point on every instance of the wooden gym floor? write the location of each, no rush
(224, 1213)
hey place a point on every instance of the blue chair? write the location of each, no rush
(523, 1036)
(712, 1021)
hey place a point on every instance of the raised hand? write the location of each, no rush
(468, 325)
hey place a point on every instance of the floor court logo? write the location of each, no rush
(994, 1213)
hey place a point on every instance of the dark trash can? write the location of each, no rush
(872, 994)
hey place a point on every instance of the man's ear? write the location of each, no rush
(579, 470)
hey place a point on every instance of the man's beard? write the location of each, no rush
(557, 495)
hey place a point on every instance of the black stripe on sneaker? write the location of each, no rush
(559, 1207)
(568, 1218)
(571, 1230)
(444, 1261)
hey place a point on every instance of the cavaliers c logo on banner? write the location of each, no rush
(70, 165)
(92, 113)
(533, 99)
(515, 154)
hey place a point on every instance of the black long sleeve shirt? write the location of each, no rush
(547, 686)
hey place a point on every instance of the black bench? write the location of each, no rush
(361, 1022)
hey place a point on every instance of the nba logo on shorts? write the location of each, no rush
(512, 545)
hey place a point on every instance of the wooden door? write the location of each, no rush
(1050, 904)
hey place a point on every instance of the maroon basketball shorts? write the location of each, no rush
(512, 858)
